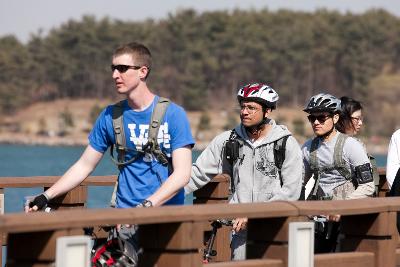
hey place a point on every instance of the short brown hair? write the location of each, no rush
(140, 54)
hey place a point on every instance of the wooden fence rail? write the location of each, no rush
(174, 235)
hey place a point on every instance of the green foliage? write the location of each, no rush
(298, 127)
(280, 120)
(66, 121)
(42, 127)
(202, 58)
(204, 122)
(382, 109)
(16, 82)
(231, 121)
(94, 113)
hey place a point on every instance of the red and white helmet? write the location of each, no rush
(260, 93)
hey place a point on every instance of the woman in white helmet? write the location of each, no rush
(247, 154)
(338, 164)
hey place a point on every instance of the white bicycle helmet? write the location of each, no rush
(323, 102)
(260, 93)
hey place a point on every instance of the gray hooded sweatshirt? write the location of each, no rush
(255, 176)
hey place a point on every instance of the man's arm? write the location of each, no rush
(358, 159)
(75, 174)
(181, 162)
(208, 164)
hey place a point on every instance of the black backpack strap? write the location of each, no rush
(228, 153)
(120, 140)
(231, 154)
(375, 174)
(157, 116)
(314, 167)
(152, 146)
(313, 154)
(279, 154)
(118, 125)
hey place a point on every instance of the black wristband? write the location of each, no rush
(40, 201)
(145, 204)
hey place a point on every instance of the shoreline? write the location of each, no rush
(29, 140)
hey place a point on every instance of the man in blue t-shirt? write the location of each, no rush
(143, 177)
(145, 181)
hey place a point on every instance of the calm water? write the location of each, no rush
(18, 160)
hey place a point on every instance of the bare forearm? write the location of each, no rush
(182, 162)
(172, 185)
(72, 178)
(77, 173)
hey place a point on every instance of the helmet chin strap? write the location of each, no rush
(327, 134)
(258, 127)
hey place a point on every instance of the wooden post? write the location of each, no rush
(269, 237)
(383, 188)
(35, 248)
(39, 247)
(372, 233)
(171, 244)
(216, 192)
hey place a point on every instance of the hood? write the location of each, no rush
(276, 132)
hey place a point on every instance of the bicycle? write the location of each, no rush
(209, 252)
(112, 251)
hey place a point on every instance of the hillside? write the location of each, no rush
(68, 122)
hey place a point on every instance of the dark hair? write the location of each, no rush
(348, 107)
(140, 54)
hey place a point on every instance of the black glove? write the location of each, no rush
(145, 204)
(40, 201)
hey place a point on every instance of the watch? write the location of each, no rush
(145, 204)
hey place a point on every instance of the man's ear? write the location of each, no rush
(143, 72)
(268, 111)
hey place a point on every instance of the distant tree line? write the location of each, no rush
(200, 59)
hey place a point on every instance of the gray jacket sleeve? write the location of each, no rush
(292, 172)
(208, 164)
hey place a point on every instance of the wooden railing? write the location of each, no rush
(174, 235)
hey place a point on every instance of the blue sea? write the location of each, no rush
(21, 160)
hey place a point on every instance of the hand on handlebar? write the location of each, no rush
(239, 224)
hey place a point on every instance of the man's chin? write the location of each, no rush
(319, 133)
(121, 91)
(246, 124)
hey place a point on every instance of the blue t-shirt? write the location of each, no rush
(141, 178)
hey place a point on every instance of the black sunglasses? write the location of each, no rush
(123, 68)
(321, 118)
